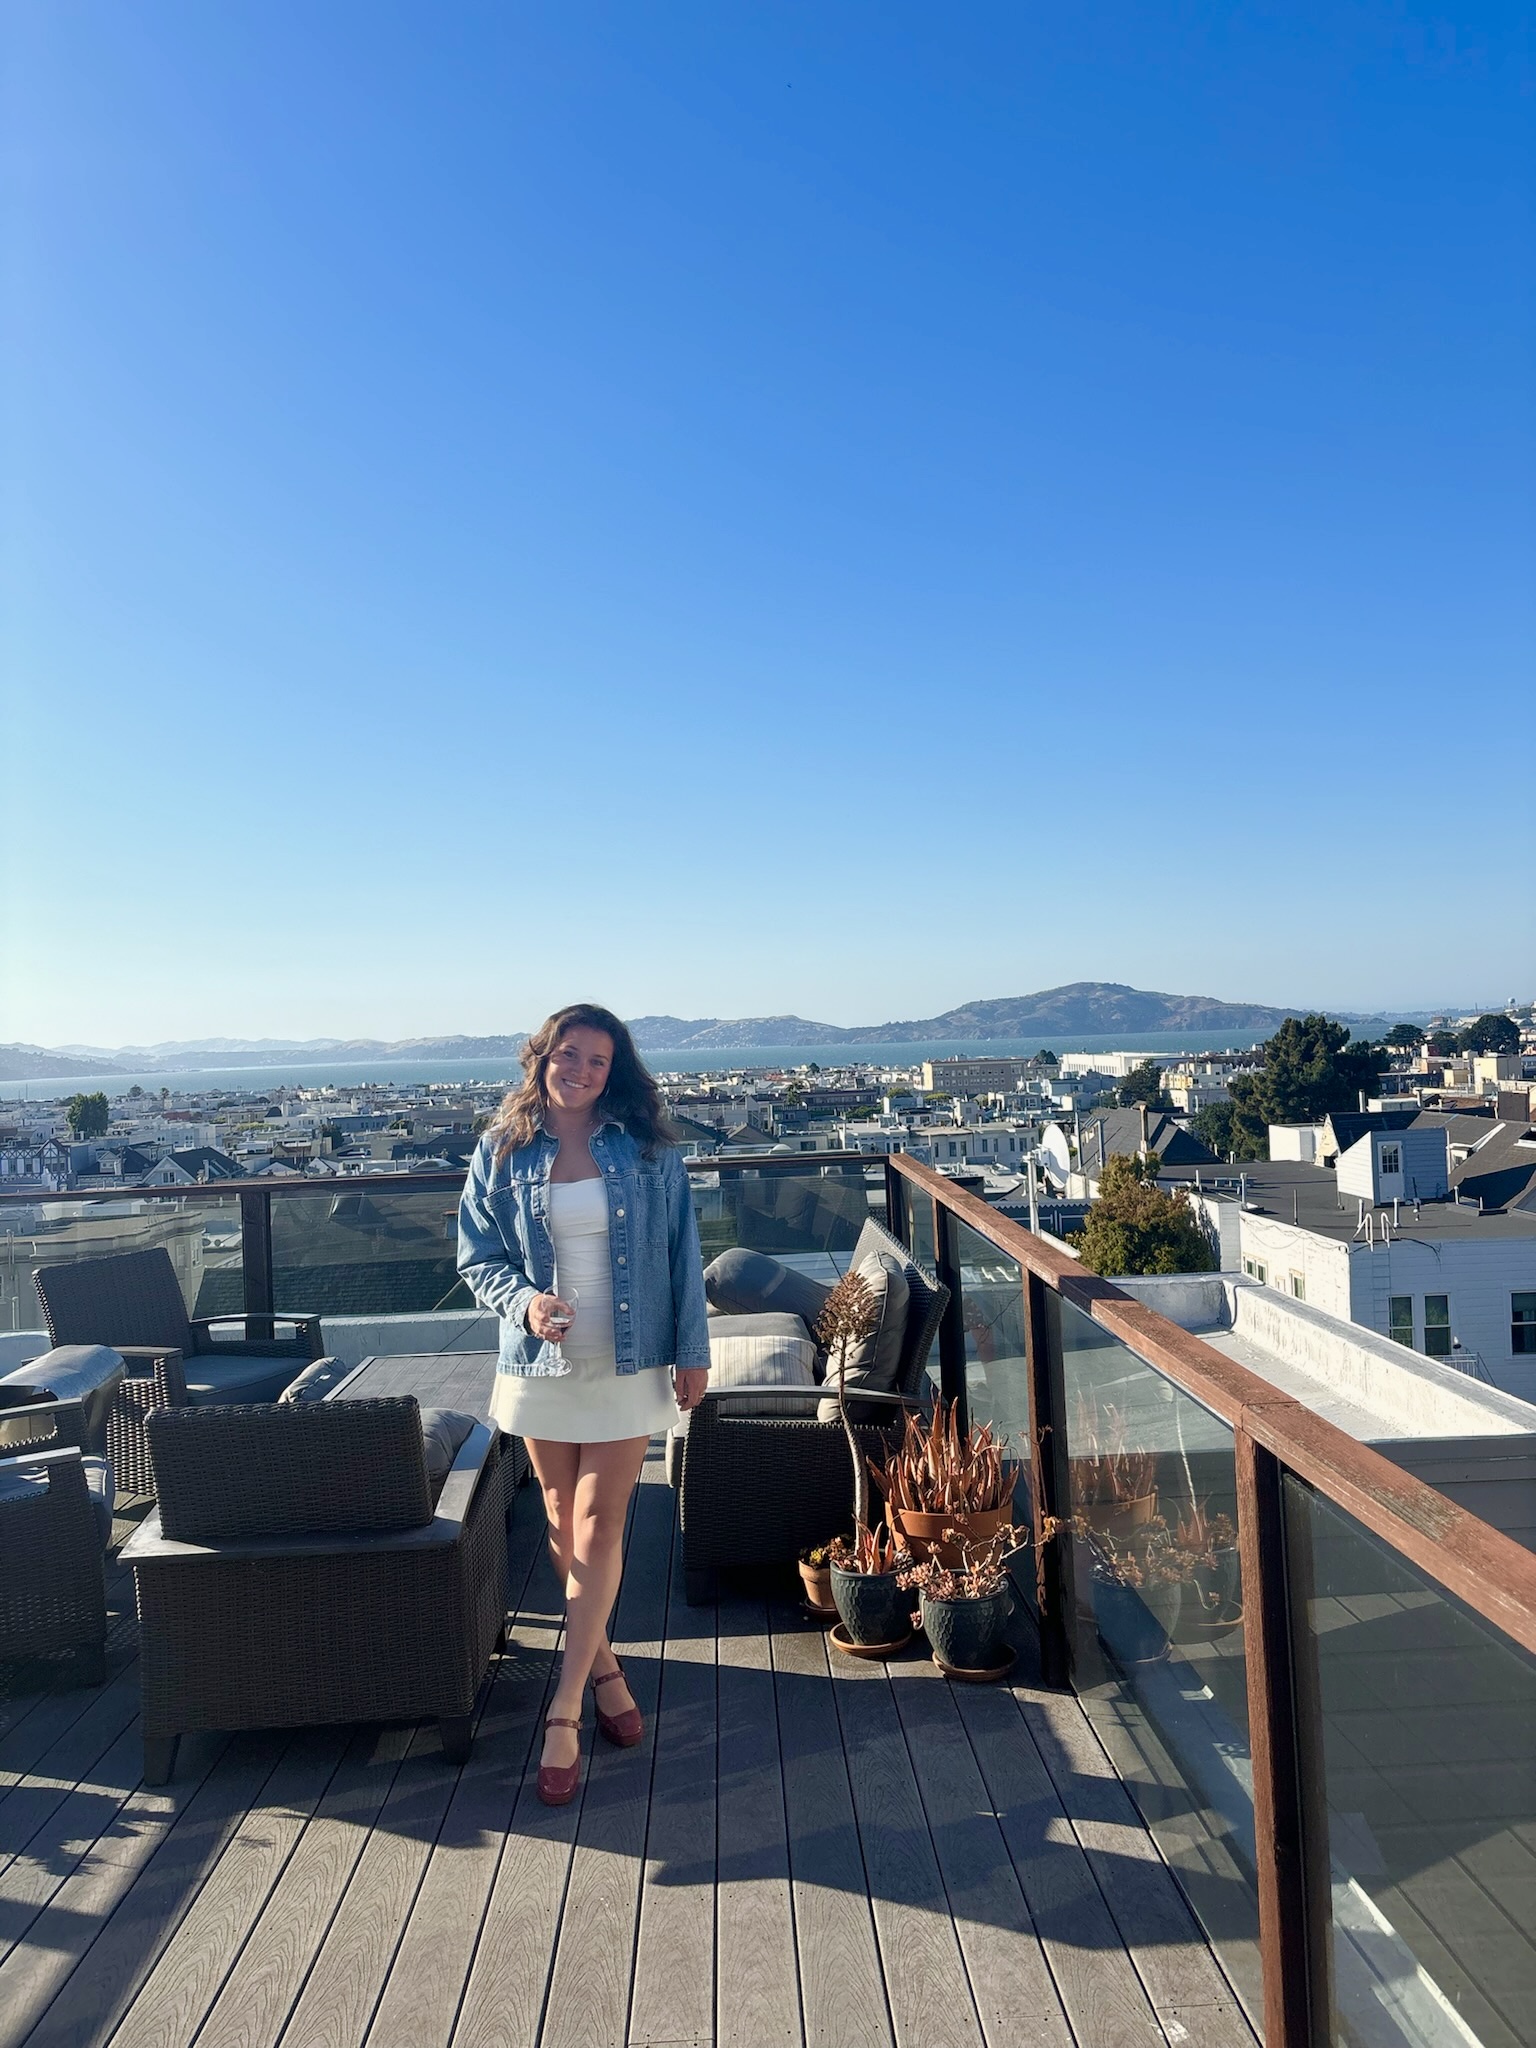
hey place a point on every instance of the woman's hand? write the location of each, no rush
(549, 1317)
(689, 1385)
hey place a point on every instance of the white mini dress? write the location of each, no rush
(593, 1403)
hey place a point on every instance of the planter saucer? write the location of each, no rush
(809, 1607)
(877, 1651)
(977, 1677)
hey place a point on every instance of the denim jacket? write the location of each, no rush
(506, 1254)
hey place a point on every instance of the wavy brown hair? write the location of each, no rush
(630, 1095)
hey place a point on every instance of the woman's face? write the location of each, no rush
(576, 1072)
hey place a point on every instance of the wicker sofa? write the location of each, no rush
(298, 1572)
(759, 1488)
(133, 1302)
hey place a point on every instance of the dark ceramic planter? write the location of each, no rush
(1128, 1626)
(969, 1634)
(872, 1606)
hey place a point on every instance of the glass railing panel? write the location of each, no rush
(919, 1208)
(809, 1219)
(1157, 1627)
(357, 1248)
(992, 1300)
(1429, 1764)
(200, 1232)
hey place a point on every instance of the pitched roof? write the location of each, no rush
(1173, 1142)
(1501, 1173)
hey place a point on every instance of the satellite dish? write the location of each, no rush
(1056, 1155)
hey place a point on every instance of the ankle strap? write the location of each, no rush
(559, 1721)
(608, 1677)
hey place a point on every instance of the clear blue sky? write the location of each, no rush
(734, 508)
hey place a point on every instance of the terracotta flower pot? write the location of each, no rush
(923, 1534)
(817, 1581)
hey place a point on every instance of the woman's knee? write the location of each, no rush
(599, 1528)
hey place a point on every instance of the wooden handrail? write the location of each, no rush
(1479, 1565)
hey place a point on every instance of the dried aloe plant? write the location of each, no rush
(941, 1470)
(848, 1316)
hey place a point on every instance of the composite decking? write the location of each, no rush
(805, 1849)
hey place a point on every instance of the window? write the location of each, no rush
(1400, 1319)
(1298, 1286)
(1256, 1270)
(1522, 1323)
(1437, 1325)
(1391, 1159)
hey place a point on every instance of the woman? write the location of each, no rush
(577, 1228)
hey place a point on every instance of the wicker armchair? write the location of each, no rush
(56, 1504)
(134, 1303)
(759, 1489)
(297, 1573)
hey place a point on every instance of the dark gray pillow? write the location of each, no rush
(747, 1283)
(443, 1435)
(874, 1364)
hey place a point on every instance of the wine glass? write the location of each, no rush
(571, 1296)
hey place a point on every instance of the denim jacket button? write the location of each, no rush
(622, 1260)
(624, 1305)
(620, 1214)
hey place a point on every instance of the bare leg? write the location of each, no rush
(587, 1529)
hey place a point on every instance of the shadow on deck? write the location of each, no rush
(801, 1851)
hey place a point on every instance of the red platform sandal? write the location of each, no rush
(622, 1730)
(557, 1787)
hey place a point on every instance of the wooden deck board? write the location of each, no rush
(673, 1998)
(804, 1850)
(925, 1978)
(589, 1991)
(757, 1998)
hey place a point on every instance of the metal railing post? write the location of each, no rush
(1285, 1745)
(952, 1325)
(1048, 1478)
(256, 1259)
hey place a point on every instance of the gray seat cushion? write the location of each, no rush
(214, 1382)
(317, 1382)
(443, 1432)
(98, 1479)
(743, 1282)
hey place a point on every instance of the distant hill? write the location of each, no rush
(1080, 1008)
(37, 1063)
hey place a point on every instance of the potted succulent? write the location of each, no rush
(816, 1577)
(1112, 1487)
(874, 1612)
(965, 1607)
(945, 1488)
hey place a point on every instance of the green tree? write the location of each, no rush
(1309, 1068)
(1046, 1057)
(88, 1115)
(1491, 1033)
(1405, 1037)
(1442, 1045)
(1144, 1083)
(1137, 1227)
(1213, 1126)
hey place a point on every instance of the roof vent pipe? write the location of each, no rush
(1362, 1099)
